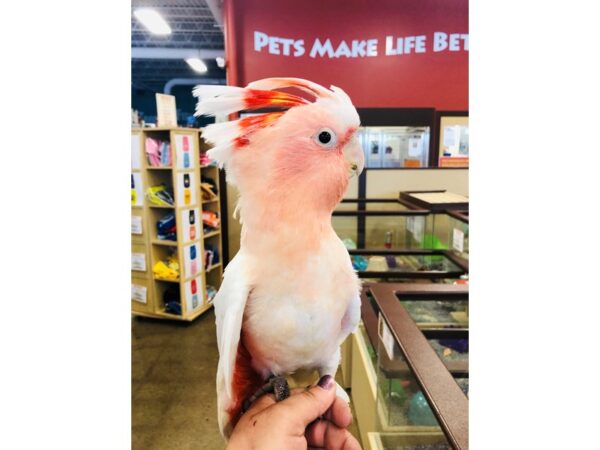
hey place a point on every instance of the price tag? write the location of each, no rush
(138, 262)
(136, 225)
(386, 337)
(138, 293)
(458, 240)
(135, 152)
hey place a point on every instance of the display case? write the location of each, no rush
(407, 264)
(420, 368)
(379, 223)
(395, 147)
(439, 203)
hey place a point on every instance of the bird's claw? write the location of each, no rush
(276, 385)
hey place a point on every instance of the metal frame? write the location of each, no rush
(448, 403)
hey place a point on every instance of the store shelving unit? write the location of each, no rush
(187, 291)
(214, 238)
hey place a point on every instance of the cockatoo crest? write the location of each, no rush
(229, 136)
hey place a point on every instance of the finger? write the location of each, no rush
(339, 413)
(315, 433)
(340, 439)
(310, 404)
(324, 434)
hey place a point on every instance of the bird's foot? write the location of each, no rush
(281, 388)
(276, 385)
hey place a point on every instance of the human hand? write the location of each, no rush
(314, 418)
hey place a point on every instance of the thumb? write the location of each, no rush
(311, 404)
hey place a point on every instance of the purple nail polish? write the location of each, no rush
(326, 382)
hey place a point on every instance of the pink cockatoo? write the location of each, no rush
(290, 296)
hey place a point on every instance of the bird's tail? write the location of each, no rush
(246, 381)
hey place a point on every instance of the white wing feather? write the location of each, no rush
(229, 303)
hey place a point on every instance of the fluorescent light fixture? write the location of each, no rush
(197, 64)
(220, 61)
(153, 21)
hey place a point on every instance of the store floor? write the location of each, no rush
(174, 403)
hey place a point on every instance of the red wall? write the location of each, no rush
(426, 79)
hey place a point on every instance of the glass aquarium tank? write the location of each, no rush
(438, 223)
(405, 264)
(437, 311)
(401, 402)
(422, 374)
(379, 223)
(395, 147)
(434, 440)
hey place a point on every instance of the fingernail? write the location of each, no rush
(326, 382)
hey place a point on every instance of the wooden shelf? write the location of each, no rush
(160, 168)
(214, 266)
(164, 313)
(212, 233)
(210, 201)
(162, 206)
(166, 129)
(199, 311)
(165, 242)
(176, 280)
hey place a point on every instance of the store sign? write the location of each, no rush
(360, 48)
(392, 53)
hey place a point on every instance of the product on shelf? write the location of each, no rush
(166, 229)
(160, 195)
(192, 222)
(349, 244)
(211, 183)
(205, 160)
(211, 256)
(207, 191)
(158, 152)
(211, 219)
(210, 293)
(167, 269)
(171, 299)
(359, 262)
(133, 191)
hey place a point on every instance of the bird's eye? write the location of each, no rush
(325, 137)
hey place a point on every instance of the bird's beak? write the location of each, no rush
(354, 156)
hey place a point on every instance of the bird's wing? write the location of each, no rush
(229, 303)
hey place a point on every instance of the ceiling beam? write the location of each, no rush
(216, 8)
(174, 53)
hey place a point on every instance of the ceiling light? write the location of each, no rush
(220, 61)
(153, 21)
(197, 64)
